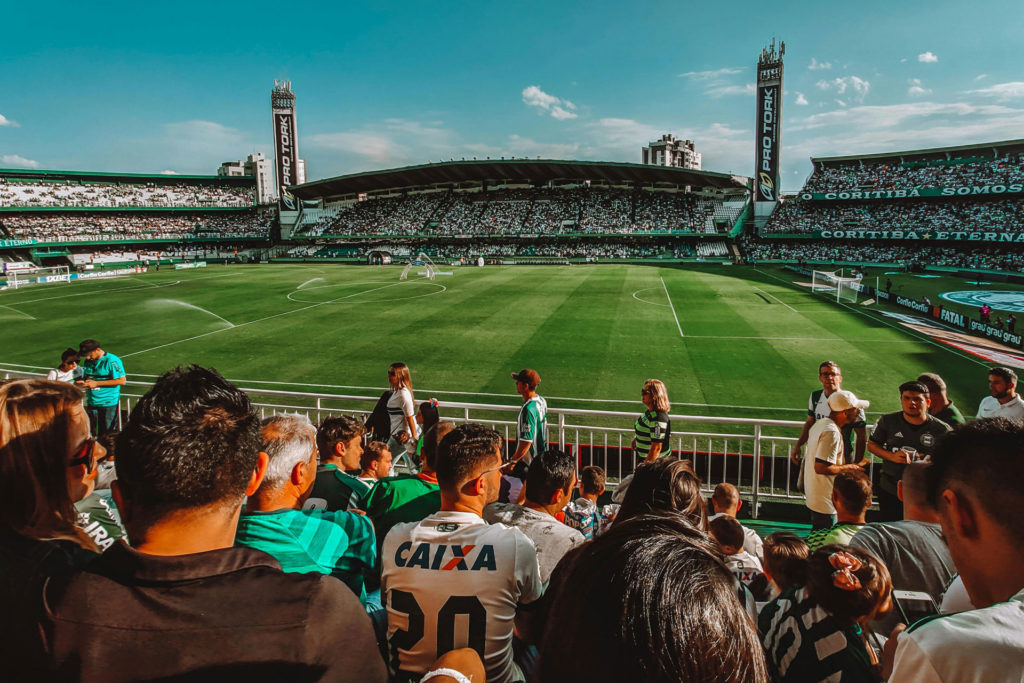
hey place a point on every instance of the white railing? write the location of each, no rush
(752, 454)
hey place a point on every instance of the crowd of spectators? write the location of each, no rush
(919, 215)
(893, 175)
(541, 211)
(52, 227)
(902, 254)
(35, 193)
(202, 542)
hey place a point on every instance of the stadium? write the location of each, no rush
(598, 276)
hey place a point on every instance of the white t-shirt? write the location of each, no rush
(462, 578)
(824, 442)
(980, 646)
(551, 538)
(70, 376)
(991, 407)
(752, 543)
(400, 407)
(743, 565)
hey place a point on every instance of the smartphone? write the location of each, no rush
(914, 605)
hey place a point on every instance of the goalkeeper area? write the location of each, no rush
(38, 276)
(727, 340)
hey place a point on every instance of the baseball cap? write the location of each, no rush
(844, 400)
(527, 376)
(88, 346)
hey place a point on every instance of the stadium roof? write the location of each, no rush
(537, 171)
(981, 147)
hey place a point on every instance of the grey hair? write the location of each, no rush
(288, 439)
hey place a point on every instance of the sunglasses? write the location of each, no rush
(84, 456)
(505, 467)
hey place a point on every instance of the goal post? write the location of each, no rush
(51, 275)
(833, 285)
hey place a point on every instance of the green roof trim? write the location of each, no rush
(914, 152)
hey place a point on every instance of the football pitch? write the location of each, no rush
(729, 341)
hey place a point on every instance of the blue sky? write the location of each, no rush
(149, 87)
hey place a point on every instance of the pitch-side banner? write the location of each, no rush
(768, 129)
(922, 235)
(286, 149)
(959, 191)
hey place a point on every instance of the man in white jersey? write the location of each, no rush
(453, 580)
(1004, 401)
(824, 455)
(975, 486)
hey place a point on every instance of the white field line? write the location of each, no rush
(777, 299)
(11, 308)
(259, 320)
(647, 289)
(678, 326)
(97, 292)
(826, 339)
(905, 330)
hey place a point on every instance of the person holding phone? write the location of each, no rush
(903, 437)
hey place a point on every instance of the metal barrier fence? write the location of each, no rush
(752, 454)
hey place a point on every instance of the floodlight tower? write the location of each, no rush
(768, 131)
(287, 164)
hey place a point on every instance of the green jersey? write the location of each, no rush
(314, 541)
(106, 367)
(405, 498)
(533, 426)
(840, 533)
(652, 427)
(336, 490)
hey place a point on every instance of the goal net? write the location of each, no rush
(833, 285)
(16, 279)
(422, 260)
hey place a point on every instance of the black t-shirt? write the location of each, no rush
(894, 432)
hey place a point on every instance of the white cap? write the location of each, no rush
(844, 400)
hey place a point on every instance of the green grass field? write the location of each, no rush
(731, 341)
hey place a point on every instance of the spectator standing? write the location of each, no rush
(913, 548)
(68, 370)
(653, 428)
(402, 411)
(336, 542)
(824, 453)
(102, 378)
(169, 600)
(1004, 401)
(339, 441)
(374, 463)
(532, 423)
(549, 487)
(939, 403)
(851, 497)
(726, 501)
(975, 487)
(582, 514)
(454, 563)
(901, 438)
(831, 378)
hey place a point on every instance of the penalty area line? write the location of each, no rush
(670, 305)
(777, 299)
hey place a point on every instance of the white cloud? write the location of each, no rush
(858, 87)
(1001, 91)
(15, 161)
(559, 109)
(903, 61)
(801, 100)
(927, 58)
(916, 89)
(981, 77)
(4, 121)
(713, 75)
(168, 171)
(724, 90)
(815, 65)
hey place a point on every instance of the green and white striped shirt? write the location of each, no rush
(652, 427)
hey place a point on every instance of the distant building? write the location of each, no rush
(257, 166)
(668, 151)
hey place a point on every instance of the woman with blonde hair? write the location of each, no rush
(653, 427)
(48, 462)
(402, 411)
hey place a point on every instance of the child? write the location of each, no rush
(726, 501)
(818, 630)
(784, 557)
(728, 533)
(582, 514)
(68, 370)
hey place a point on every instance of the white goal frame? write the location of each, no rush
(826, 282)
(51, 275)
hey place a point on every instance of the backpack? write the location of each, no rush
(378, 424)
